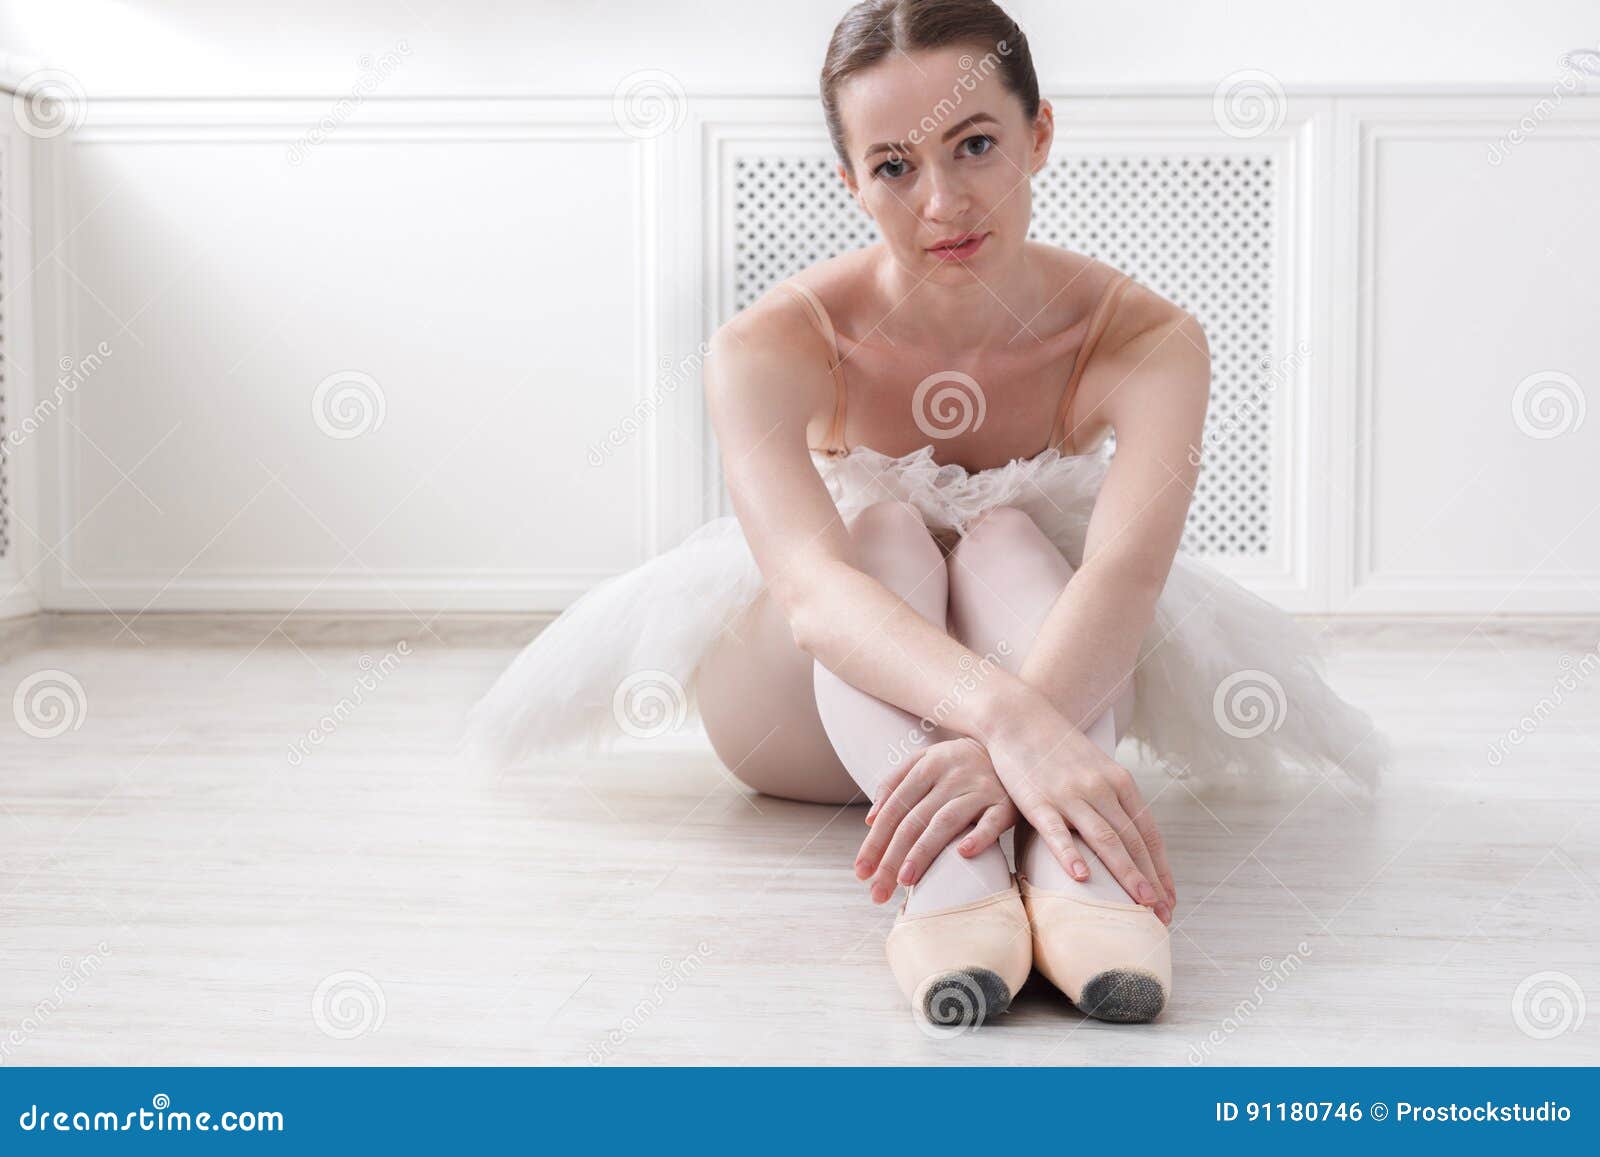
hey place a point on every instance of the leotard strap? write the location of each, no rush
(819, 318)
(1097, 326)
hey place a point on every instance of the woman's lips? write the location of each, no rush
(960, 252)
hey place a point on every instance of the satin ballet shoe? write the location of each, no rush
(961, 966)
(1112, 960)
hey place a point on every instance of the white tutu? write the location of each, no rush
(1227, 684)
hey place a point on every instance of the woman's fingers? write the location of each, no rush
(906, 834)
(1135, 806)
(896, 806)
(1103, 838)
(887, 785)
(1049, 826)
(1134, 843)
(988, 830)
(947, 823)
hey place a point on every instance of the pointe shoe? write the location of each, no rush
(1114, 961)
(961, 966)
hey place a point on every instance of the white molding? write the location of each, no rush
(18, 577)
(660, 521)
(1326, 148)
(1366, 589)
(1290, 578)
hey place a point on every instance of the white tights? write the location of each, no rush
(997, 584)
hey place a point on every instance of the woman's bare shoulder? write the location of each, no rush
(772, 358)
(780, 319)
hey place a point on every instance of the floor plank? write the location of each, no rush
(180, 890)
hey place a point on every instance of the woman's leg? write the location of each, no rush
(872, 737)
(754, 690)
(1005, 575)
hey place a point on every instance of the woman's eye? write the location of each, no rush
(987, 140)
(891, 161)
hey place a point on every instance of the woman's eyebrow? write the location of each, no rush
(902, 147)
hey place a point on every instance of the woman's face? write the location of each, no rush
(940, 149)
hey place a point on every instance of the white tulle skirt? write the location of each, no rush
(1227, 684)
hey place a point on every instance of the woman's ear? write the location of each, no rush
(1044, 132)
(850, 184)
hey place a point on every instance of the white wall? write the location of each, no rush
(507, 272)
(490, 47)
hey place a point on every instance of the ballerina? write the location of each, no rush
(940, 590)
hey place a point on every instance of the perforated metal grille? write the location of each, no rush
(1198, 229)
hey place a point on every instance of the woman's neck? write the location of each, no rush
(998, 311)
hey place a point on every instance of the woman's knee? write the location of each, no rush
(890, 519)
(894, 546)
(1001, 527)
(803, 782)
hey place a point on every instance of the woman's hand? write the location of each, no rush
(1056, 775)
(921, 807)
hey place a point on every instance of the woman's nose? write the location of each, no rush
(947, 197)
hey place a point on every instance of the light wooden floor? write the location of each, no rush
(176, 890)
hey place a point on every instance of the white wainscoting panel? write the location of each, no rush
(468, 290)
(522, 289)
(1474, 470)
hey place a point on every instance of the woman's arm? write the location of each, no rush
(1150, 380)
(766, 377)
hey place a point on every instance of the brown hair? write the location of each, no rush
(873, 29)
